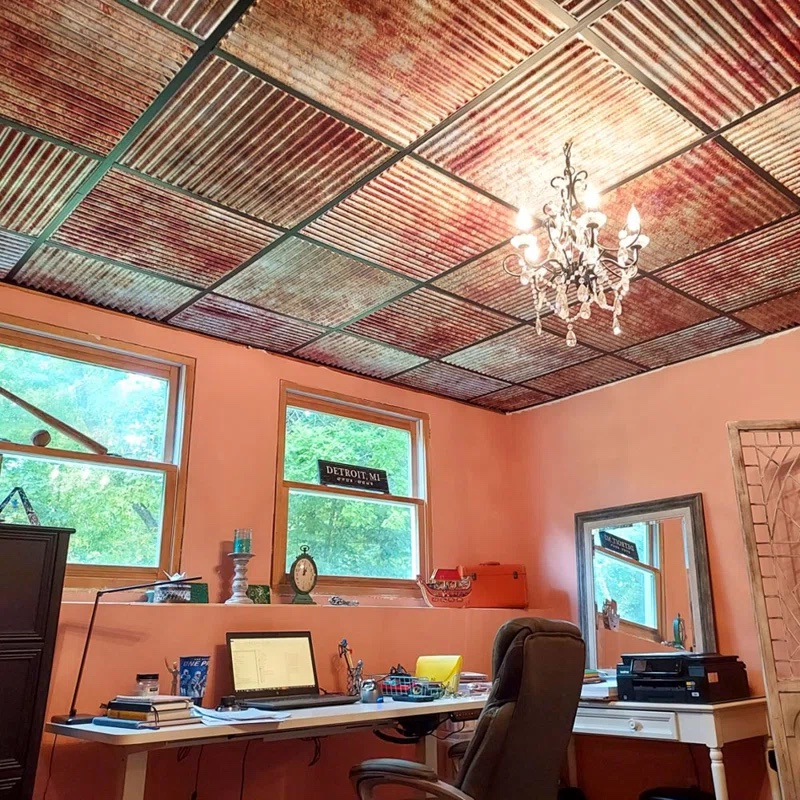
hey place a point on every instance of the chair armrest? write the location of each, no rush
(397, 772)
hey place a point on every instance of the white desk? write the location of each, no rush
(712, 726)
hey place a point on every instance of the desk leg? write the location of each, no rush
(774, 783)
(718, 774)
(135, 776)
(432, 752)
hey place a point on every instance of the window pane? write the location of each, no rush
(123, 411)
(632, 587)
(312, 435)
(638, 533)
(117, 513)
(353, 537)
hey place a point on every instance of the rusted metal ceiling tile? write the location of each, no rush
(751, 269)
(12, 247)
(649, 310)
(512, 145)
(694, 201)
(430, 324)
(311, 282)
(362, 356)
(37, 179)
(414, 220)
(719, 59)
(231, 137)
(83, 70)
(91, 280)
(228, 319)
(580, 8)
(773, 315)
(587, 375)
(770, 139)
(398, 68)
(199, 17)
(450, 381)
(128, 219)
(513, 398)
(484, 281)
(520, 355)
(716, 334)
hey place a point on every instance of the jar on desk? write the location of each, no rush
(147, 684)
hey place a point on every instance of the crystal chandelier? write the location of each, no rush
(575, 259)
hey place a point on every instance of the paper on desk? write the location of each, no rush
(212, 717)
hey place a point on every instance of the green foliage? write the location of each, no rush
(116, 512)
(350, 536)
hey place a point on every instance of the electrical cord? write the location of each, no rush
(50, 767)
(244, 765)
(452, 733)
(197, 772)
(317, 750)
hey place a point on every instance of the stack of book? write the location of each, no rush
(158, 711)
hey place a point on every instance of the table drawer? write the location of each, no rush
(635, 724)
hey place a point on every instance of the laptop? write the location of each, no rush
(276, 671)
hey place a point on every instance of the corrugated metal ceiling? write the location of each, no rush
(338, 181)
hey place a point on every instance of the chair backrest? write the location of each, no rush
(522, 735)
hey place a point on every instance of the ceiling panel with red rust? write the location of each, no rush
(92, 280)
(398, 67)
(83, 70)
(232, 138)
(128, 219)
(512, 145)
(414, 220)
(718, 58)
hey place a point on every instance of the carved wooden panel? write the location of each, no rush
(766, 464)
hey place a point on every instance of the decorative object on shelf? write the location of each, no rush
(198, 593)
(259, 593)
(177, 590)
(194, 677)
(174, 672)
(576, 268)
(239, 584)
(679, 632)
(32, 516)
(242, 540)
(303, 576)
(447, 588)
(610, 615)
(354, 671)
(335, 600)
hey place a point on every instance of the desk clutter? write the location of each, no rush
(156, 711)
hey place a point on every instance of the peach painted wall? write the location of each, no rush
(658, 435)
(231, 480)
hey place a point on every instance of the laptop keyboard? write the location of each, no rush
(302, 701)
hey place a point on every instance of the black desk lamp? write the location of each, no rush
(73, 718)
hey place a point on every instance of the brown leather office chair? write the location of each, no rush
(522, 735)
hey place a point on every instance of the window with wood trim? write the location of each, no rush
(635, 580)
(91, 439)
(359, 538)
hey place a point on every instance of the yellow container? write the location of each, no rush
(444, 669)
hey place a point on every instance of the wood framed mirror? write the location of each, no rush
(643, 580)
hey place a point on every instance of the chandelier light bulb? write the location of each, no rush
(577, 270)
(634, 222)
(591, 198)
(524, 220)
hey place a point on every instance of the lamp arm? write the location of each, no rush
(72, 707)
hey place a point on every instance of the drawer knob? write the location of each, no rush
(634, 725)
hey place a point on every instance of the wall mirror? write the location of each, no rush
(643, 580)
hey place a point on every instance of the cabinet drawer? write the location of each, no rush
(634, 723)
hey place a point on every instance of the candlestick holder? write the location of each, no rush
(239, 583)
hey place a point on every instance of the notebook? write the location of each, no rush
(276, 670)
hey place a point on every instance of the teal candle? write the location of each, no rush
(242, 538)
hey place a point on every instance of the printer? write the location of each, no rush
(681, 678)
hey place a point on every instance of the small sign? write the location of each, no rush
(620, 546)
(331, 473)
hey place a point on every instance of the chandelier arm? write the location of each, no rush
(507, 270)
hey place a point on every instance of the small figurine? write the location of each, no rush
(354, 672)
(174, 672)
(610, 615)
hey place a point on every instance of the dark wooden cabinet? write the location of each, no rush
(32, 564)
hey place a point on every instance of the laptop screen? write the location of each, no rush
(272, 664)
